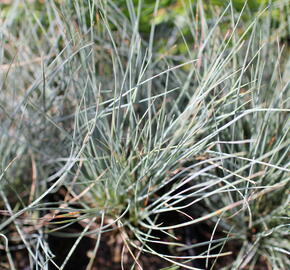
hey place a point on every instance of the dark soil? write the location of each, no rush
(112, 252)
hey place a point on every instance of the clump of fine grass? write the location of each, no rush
(136, 134)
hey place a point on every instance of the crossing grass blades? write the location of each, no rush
(125, 149)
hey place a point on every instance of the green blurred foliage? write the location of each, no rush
(173, 12)
(168, 10)
(167, 15)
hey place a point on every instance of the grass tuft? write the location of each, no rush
(174, 140)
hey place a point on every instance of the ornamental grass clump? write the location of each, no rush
(173, 143)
